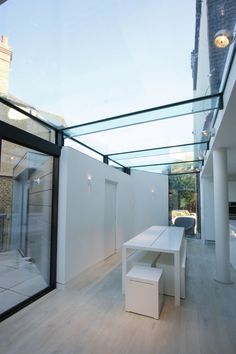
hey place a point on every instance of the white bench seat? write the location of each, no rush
(166, 262)
(145, 258)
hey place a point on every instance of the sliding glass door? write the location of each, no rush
(26, 187)
(184, 203)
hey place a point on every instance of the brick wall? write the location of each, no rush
(5, 208)
(221, 15)
(5, 194)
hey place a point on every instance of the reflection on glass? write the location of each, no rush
(156, 134)
(175, 168)
(184, 203)
(164, 155)
(22, 121)
(175, 110)
(203, 125)
(25, 223)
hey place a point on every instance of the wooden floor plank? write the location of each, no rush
(89, 317)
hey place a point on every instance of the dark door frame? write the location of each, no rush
(21, 137)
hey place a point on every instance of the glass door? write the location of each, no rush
(26, 184)
(184, 203)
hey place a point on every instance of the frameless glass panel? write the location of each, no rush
(158, 134)
(161, 133)
(115, 71)
(202, 126)
(20, 120)
(170, 111)
(153, 152)
(25, 223)
(163, 155)
(184, 203)
(162, 159)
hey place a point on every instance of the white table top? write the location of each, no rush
(147, 237)
(158, 238)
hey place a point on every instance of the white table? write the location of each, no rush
(167, 239)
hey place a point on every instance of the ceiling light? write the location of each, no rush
(223, 38)
(205, 133)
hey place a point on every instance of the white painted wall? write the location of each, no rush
(232, 249)
(150, 199)
(207, 209)
(81, 209)
(207, 206)
(232, 191)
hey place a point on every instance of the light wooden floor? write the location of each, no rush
(90, 318)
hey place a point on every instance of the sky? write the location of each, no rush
(89, 60)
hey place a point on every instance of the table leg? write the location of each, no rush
(177, 278)
(124, 267)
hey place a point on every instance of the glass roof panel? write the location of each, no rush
(21, 118)
(107, 73)
(164, 155)
(173, 110)
(158, 134)
(186, 167)
(160, 151)
(137, 63)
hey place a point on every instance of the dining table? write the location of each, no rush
(157, 238)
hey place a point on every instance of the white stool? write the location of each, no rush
(144, 291)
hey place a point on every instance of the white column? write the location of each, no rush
(207, 209)
(221, 215)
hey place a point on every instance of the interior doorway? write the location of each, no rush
(184, 203)
(110, 218)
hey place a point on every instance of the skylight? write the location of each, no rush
(118, 76)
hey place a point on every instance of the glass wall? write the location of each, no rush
(184, 203)
(22, 121)
(25, 223)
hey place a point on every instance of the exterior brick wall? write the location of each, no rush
(221, 15)
(5, 208)
(5, 194)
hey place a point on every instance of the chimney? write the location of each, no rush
(5, 62)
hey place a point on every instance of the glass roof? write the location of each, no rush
(169, 111)
(178, 168)
(71, 66)
(178, 153)
(21, 117)
(171, 145)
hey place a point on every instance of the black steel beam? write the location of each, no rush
(175, 104)
(163, 164)
(158, 148)
(21, 137)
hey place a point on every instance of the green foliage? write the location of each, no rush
(182, 182)
(182, 194)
